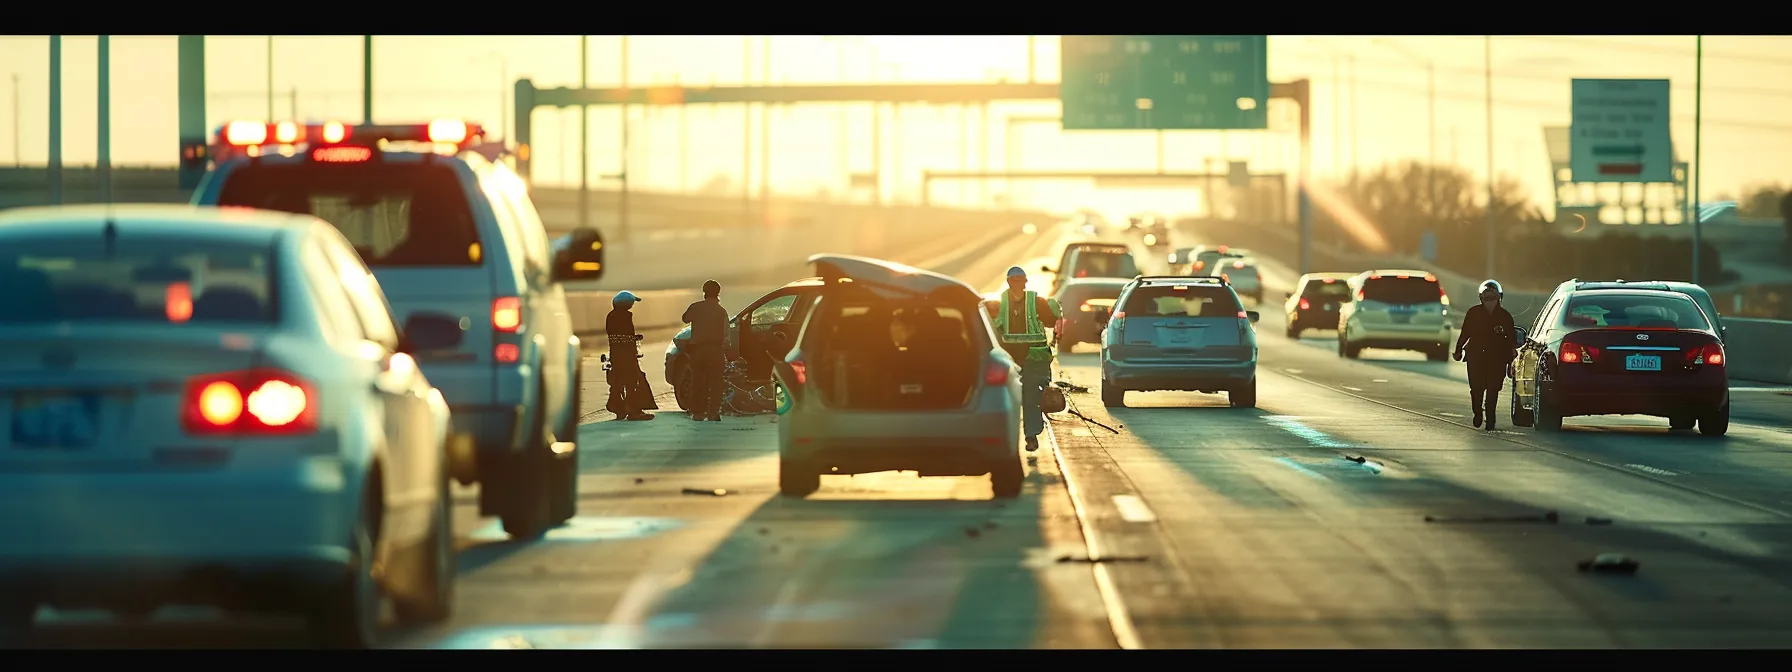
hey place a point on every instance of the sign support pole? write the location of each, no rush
(1698, 225)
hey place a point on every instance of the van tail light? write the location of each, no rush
(507, 314)
(1710, 354)
(256, 402)
(996, 374)
(1359, 296)
(1305, 304)
(1200, 265)
(1440, 292)
(1082, 274)
(800, 370)
(1575, 353)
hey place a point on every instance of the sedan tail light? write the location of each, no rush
(249, 403)
(1711, 354)
(800, 370)
(1575, 353)
(1305, 304)
(996, 374)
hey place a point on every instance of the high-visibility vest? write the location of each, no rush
(1035, 333)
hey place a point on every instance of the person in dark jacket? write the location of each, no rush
(630, 397)
(1489, 339)
(709, 326)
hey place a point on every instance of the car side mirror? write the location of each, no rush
(1287, 295)
(579, 256)
(430, 332)
(1524, 336)
(1254, 315)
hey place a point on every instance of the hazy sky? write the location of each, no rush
(1747, 133)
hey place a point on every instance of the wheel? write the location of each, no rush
(1545, 417)
(1243, 396)
(1715, 422)
(1291, 331)
(681, 386)
(528, 482)
(565, 466)
(1352, 351)
(796, 479)
(437, 567)
(1520, 416)
(1682, 421)
(1437, 353)
(1006, 478)
(347, 615)
(1112, 396)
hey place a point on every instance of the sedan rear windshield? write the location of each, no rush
(407, 215)
(1321, 289)
(1074, 295)
(1181, 301)
(1401, 291)
(1664, 310)
(170, 280)
(1102, 265)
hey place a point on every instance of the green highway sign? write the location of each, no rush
(1165, 82)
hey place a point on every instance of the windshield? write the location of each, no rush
(1102, 265)
(1328, 289)
(171, 280)
(1402, 291)
(1659, 311)
(394, 214)
(1181, 301)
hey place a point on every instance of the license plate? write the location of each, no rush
(1400, 318)
(1642, 363)
(55, 421)
(1179, 338)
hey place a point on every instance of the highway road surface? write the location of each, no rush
(1354, 509)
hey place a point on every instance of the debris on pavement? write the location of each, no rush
(989, 525)
(1547, 517)
(639, 481)
(718, 492)
(1608, 563)
(1092, 421)
(972, 532)
(1595, 520)
(1068, 386)
(1356, 458)
(764, 531)
(1106, 559)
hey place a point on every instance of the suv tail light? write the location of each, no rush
(1711, 354)
(507, 314)
(1305, 304)
(996, 374)
(1575, 353)
(247, 403)
(801, 371)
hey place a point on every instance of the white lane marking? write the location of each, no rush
(1773, 390)
(1651, 470)
(1298, 467)
(1125, 635)
(1133, 510)
(1448, 414)
(1379, 380)
(1293, 371)
(1353, 389)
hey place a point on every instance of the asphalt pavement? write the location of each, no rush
(1355, 508)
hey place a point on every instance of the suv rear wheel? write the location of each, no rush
(796, 479)
(1007, 477)
(529, 482)
(1111, 396)
(1244, 396)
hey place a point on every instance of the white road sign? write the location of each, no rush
(1620, 131)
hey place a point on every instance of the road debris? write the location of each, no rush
(1092, 421)
(972, 532)
(1608, 563)
(1068, 386)
(1106, 559)
(639, 481)
(1550, 517)
(718, 492)
(1356, 458)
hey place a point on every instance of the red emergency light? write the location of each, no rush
(321, 139)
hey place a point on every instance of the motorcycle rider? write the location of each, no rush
(709, 326)
(1489, 339)
(630, 396)
(1021, 317)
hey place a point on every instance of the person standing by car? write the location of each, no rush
(1489, 338)
(629, 394)
(709, 323)
(1021, 318)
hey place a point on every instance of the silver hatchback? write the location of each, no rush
(897, 369)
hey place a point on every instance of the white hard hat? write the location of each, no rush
(1493, 285)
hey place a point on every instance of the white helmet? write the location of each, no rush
(1493, 285)
(625, 297)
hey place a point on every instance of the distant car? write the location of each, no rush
(772, 322)
(1205, 258)
(215, 407)
(1080, 298)
(1093, 260)
(1182, 256)
(1631, 351)
(1179, 333)
(1315, 300)
(446, 229)
(1395, 310)
(1696, 292)
(897, 369)
(1243, 275)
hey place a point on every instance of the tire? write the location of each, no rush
(796, 479)
(1111, 396)
(1680, 422)
(529, 480)
(681, 384)
(1545, 418)
(1437, 353)
(347, 615)
(565, 468)
(1352, 352)
(1715, 422)
(1291, 331)
(1006, 478)
(1243, 396)
(1521, 417)
(437, 569)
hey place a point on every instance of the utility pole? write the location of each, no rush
(964, 148)
(1492, 238)
(366, 79)
(1350, 62)
(746, 133)
(1337, 119)
(684, 155)
(622, 194)
(270, 78)
(105, 118)
(1160, 151)
(292, 103)
(55, 162)
(983, 153)
(17, 159)
(584, 140)
(845, 139)
(877, 144)
(1032, 57)
(765, 134)
(1431, 134)
(1698, 175)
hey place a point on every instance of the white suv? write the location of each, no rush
(1395, 310)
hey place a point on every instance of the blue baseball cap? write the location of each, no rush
(1016, 272)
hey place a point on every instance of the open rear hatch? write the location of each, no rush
(894, 337)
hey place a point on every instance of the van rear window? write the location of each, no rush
(396, 215)
(1401, 291)
(169, 280)
(1181, 301)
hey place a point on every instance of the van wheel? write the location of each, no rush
(1716, 422)
(681, 386)
(1244, 396)
(1351, 351)
(796, 479)
(436, 569)
(565, 467)
(529, 482)
(1292, 332)
(1111, 396)
(1006, 479)
(1521, 416)
(1437, 353)
(347, 616)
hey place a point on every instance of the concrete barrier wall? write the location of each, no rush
(1759, 350)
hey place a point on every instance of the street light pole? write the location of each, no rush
(1350, 62)
(622, 193)
(584, 140)
(1431, 134)
(1492, 240)
(55, 162)
(765, 134)
(1698, 109)
(105, 114)
(270, 78)
(366, 79)
(845, 138)
(16, 106)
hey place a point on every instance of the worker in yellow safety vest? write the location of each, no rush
(1021, 318)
